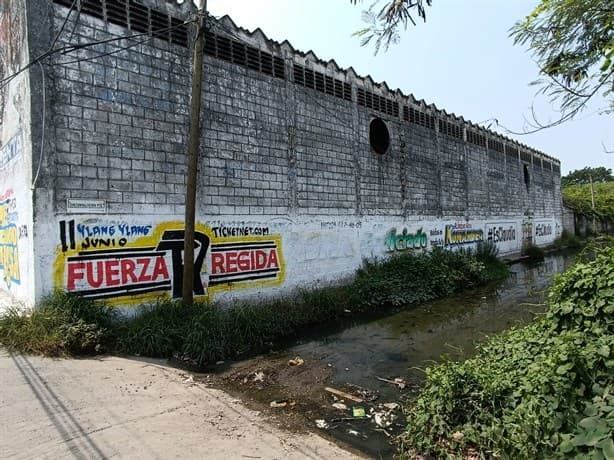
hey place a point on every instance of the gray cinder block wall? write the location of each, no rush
(292, 190)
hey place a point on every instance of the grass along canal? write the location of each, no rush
(364, 358)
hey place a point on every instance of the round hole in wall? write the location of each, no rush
(527, 177)
(379, 137)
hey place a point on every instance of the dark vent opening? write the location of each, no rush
(138, 17)
(135, 16)
(266, 63)
(239, 55)
(379, 137)
(117, 13)
(299, 75)
(338, 89)
(496, 145)
(361, 97)
(179, 32)
(279, 68)
(369, 99)
(253, 58)
(210, 44)
(527, 177)
(159, 25)
(347, 91)
(319, 79)
(223, 48)
(330, 85)
(309, 80)
(93, 8)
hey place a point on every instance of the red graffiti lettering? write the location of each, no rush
(96, 274)
(244, 261)
(128, 267)
(75, 273)
(112, 272)
(144, 264)
(96, 281)
(217, 263)
(160, 270)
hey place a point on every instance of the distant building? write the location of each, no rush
(305, 168)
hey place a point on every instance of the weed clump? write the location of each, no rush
(534, 253)
(541, 391)
(63, 324)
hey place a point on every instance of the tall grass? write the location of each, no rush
(206, 333)
(62, 324)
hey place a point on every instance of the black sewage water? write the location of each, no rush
(403, 344)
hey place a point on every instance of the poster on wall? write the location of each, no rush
(133, 263)
(9, 241)
(504, 235)
(544, 231)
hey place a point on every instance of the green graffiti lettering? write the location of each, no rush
(405, 241)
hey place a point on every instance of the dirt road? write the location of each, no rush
(114, 407)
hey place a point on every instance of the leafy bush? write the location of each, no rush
(62, 324)
(541, 391)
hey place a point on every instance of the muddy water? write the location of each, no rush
(403, 344)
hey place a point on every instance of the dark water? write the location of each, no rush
(403, 344)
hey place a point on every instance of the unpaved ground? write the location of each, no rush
(114, 407)
(295, 396)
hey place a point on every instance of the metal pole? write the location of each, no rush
(193, 147)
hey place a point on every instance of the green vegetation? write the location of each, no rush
(587, 175)
(578, 198)
(541, 391)
(207, 333)
(567, 240)
(61, 325)
(534, 253)
(572, 42)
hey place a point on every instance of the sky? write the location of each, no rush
(461, 59)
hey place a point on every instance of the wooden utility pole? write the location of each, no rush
(193, 147)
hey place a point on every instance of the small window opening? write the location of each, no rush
(527, 177)
(379, 137)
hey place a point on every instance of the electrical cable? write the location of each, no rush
(42, 152)
(70, 48)
(148, 38)
(72, 7)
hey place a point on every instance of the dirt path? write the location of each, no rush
(114, 407)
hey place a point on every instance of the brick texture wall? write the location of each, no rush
(269, 146)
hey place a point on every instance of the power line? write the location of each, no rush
(70, 48)
(123, 48)
(72, 7)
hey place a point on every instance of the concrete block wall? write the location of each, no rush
(120, 120)
(16, 155)
(290, 191)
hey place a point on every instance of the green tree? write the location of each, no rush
(585, 175)
(571, 40)
(384, 23)
(573, 44)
